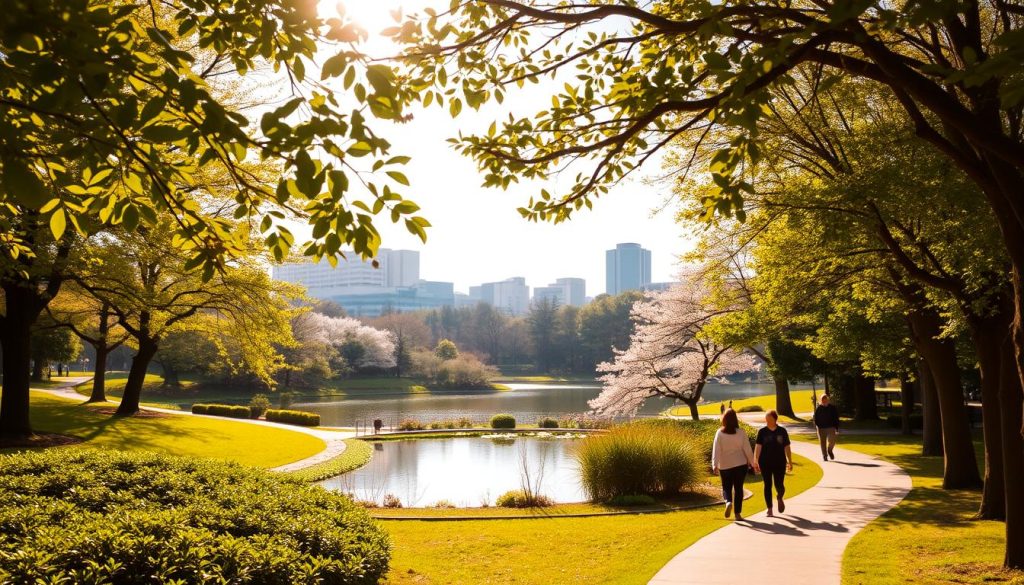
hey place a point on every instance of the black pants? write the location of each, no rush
(773, 475)
(732, 486)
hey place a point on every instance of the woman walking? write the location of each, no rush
(730, 457)
(774, 458)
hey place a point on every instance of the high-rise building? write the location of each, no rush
(627, 267)
(365, 291)
(511, 295)
(564, 291)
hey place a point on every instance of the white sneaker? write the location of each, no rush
(728, 509)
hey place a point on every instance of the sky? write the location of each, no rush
(477, 234)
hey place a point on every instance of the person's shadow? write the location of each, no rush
(770, 527)
(851, 464)
(806, 524)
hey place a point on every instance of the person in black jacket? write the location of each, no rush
(774, 458)
(826, 420)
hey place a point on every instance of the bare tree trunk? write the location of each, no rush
(989, 336)
(99, 375)
(783, 400)
(1011, 403)
(906, 405)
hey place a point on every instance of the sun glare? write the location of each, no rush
(372, 15)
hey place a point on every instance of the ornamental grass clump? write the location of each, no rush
(86, 516)
(633, 460)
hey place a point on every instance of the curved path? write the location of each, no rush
(334, 441)
(805, 545)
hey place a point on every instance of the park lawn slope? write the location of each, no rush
(187, 436)
(801, 403)
(626, 549)
(929, 538)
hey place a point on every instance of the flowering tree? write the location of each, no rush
(361, 345)
(670, 353)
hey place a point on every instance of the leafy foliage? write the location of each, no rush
(293, 417)
(503, 421)
(89, 516)
(229, 410)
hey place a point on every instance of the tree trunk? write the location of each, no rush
(99, 375)
(989, 336)
(1011, 402)
(906, 405)
(844, 392)
(961, 464)
(865, 405)
(931, 433)
(15, 335)
(171, 377)
(783, 401)
(37, 367)
(136, 378)
(694, 413)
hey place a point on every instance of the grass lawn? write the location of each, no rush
(609, 550)
(929, 538)
(188, 436)
(801, 403)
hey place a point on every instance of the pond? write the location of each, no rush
(466, 471)
(527, 402)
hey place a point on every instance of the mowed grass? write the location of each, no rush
(801, 403)
(929, 538)
(188, 436)
(625, 549)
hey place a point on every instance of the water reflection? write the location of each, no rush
(527, 402)
(466, 471)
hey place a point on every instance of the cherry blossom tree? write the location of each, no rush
(376, 347)
(670, 352)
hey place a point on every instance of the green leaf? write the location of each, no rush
(23, 185)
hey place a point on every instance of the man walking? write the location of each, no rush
(826, 420)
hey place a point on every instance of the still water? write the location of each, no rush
(527, 402)
(466, 471)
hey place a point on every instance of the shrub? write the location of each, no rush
(641, 500)
(411, 424)
(522, 499)
(229, 410)
(258, 405)
(446, 504)
(751, 408)
(294, 417)
(638, 459)
(503, 421)
(391, 501)
(547, 423)
(89, 516)
(701, 432)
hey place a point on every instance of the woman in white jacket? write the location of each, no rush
(731, 455)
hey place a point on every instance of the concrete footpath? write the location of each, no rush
(805, 545)
(334, 441)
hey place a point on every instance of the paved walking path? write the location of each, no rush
(805, 545)
(334, 440)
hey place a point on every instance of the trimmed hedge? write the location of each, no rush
(228, 410)
(547, 423)
(88, 516)
(503, 421)
(293, 417)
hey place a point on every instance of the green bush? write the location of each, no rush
(639, 459)
(451, 424)
(228, 410)
(751, 408)
(547, 423)
(294, 417)
(503, 421)
(523, 499)
(258, 405)
(88, 516)
(701, 432)
(411, 424)
(585, 421)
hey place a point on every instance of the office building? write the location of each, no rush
(365, 291)
(564, 291)
(627, 267)
(510, 295)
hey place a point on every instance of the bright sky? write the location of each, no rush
(477, 235)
